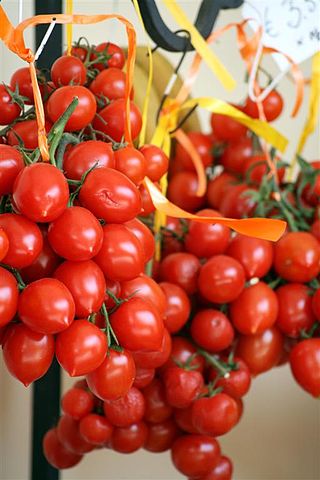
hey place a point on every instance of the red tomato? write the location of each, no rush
(68, 70)
(56, 454)
(222, 471)
(43, 266)
(256, 167)
(110, 195)
(211, 330)
(316, 303)
(46, 306)
(183, 418)
(147, 206)
(27, 354)
(161, 436)
(237, 383)
(131, 163)
(173, 235)
(215, 415)
(315, 229)
(84, 112)
(81, 348)
(144, 235)
(184, 352)
(182, 386)
(115, 56)
(181, 269)
(297, 257)
(254, 254)
(305, 365)
(111, 120)
(195, 455)
(121, 256)
(48, 197)
(178, 306)
(126, 410)
(9, 109)
(182, 191)
(144, 376)
(110, 84)
(221, 279)
(25, 240)
(237, 202)
(147, 289)
(77, 403)
(217, 188)
(202, 144)
(157, 409)
(129, 439)
(114, 377)
(295, 309)
(79, 52)
(214, 236)
(11, 162)
(8, 296)
(311, 193)
(95, 429)
(27, 131)
(235, 155)
(155, 359)
(226, 128)
(69, 435)
(157, 162)
(272, 106)
(21, 81)
(4, 244)
(85, 155)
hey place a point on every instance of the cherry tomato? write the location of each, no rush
(147, 206)
(111, 120)
(311, 193)
(316, 303)
(182, 191)
(161, 436)
(183, 418)
(46, 306)
(129, 439)
(226, 128)
(144, 376)
(4, 244)
(157, 409)
(173, 235)
(68, 70)
(305, 365)
(110, 195)
(27, 132)
(195, 455)
(237, 202)
(238, 382)
(182, 386)
(8, 296)
(203, 145)
(221, 279)
(272, 106)
(126, 410)
(181, 269)
(254, 254)
(156, 358)
(56, 454)
(85, 155)
(95, 429)
(215, 415)
(79, 52)
(21, 81)
(184, 352)
(178, 306)
(144, 235)
(295, 309)
(256, 167)
(77, 403)
(11, 162)
(297, 257)
(69, 435)
(217, 188)
(9, 109)
(84, 112)
(315, 229)
(211, 330)
(235, 155)
(114, 377)
(222, 471)
(157, 162)
(147, 289)
(27, 354)
(44, 265)
(115, 54)
(131, 163)
(110, 84)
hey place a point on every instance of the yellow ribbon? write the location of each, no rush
(69, 11)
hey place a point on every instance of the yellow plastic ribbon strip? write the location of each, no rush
(69, 11)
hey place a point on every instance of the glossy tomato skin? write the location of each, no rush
(217, 188)
(117, 58)
(222, 471)
(56, 454)
(27, 130)
(195, 455)
(114, 377)
(27, 354)
(235, 155)
(295, 309)
(85, 155)
(237, 384)
(182, 350)
(147, 206)
(144, 376)
(182, 269)
(81, 348)
(182, 191)
(21, 79)
(256, 167)
(316, 303)
(77, 403)
(203, 146)
(4, 244)
(121, 256)
(211, 330)
(95, 429)
(183, 418)
(305, 365)
(226, 128)
(41, 192)
(157, 408)
(68, 70)
(126, 410)
(297, 257)
(156, 358)
(237, 202)
(178, 306)
(131, 163)
(25, 240)
(46, 306)
(129, 439)
(111, 120)
(272, 106)
(69, 435)
(11, 163)
(147, 289)
(161, 436)
(254, 254)
(215, 415)
(110, 83)
(311, 193)
(9, 110)
(144, 235)
(182, 386)
(110, 195)
(8, 296)
(157, 162)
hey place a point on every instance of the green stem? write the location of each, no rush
(109, 330)
(66, 139)
(15, 272)
(214, 362)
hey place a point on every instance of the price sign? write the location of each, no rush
(290, 26)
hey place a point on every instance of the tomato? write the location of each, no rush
(48, 197)
(173, 235)
(315, 229)
(77, 403)
(254, 254)
(86, 283)
(237, 383)
(178, 306)
(114, 287)
(110, 195)
(237, 202)
(84, 112)
(215, 415)
(316, 303)
(226, 128)
(295, 309)
(11, 162)
(95, 429)
(183, 418)
(157, 162)
(27, 354)
(46, 306)
(114, 52)
(8, 296)
(25, 240)
(182, 386)
(56, 454)
(157, 409)
(184, 352)
(157, 358)
(311, 193)
(211, 330)
(182, 190)
(147, 206)
(131, 163)
(4, 244)
(235, 155)
(121, 255)
(44, 265)
(222, 471)
(195, 455)
(27, 132)
(68, 70)
(85, 155)
(214, 236)
(126, 410)
(297, 257)
(305, 365)
(272, 106)
(110, 84)
(217, 188)
(111, 120)
(202, 144)
(144, 376)
(129, 439)
(161, 436)
(79, 52)
(221, 279)
(114, 377)
(181, 269)
(147, 289)
(262, 351)
(21, 81)
(9, 109)
(144, 235)
(76, 235)
(69, 435)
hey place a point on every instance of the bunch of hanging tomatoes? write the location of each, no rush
(167, 348)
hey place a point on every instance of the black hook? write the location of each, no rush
(171, 41)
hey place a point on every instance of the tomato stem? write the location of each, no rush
(109, 330)
(221, 367)
(16, 273)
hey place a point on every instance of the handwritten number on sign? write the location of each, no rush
(268, 25)
(311, 5)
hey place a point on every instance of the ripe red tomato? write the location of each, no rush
(129, 439)
(254, 254)
(44, 265)
(315, 229)
(157, 408)
(46, 306)
(21, 81)
(115, 54)
(69, 435)
(68, 70)
(161, 436)
(27, 131)
(131, 163)
(215, 415)
(77, 403)
(221, 279)
(110, 83)
(182, 191)
(178, 306)
(297, 257)
(237, 383)
(110, 195)
(195, 455)
(27, 354)
(272, 106)
(202, 144)
(144, 376)
(9, 109)
(4, 244)
(157, 162)
(183, 418)
(48, 197)
(56, 454)
(126, 410)
(156, 358)
(147, 289)
(211, 330)
(305, 365)
(144, 235)
(222, 471)
(226, 128)
(147, 206)
(237, 202)
(182, 269)
(85, 155)
(9, 296)
(11, 162)
(79, 52)
(182, 352)
(84, 112)
(295, 309)
(95, 429)
(217, 188)
(316, 303)
(182, 386)
(114, 377)
(235, 155)
(111, 120)
(311, 193)
(173, 236)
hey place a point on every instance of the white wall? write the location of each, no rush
(279, 435)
